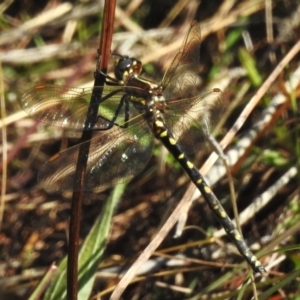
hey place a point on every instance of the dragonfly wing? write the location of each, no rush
(67, 107)
(181, 79)
(116, 155)
(190, 120)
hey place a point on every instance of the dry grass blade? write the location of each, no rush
(34, 24)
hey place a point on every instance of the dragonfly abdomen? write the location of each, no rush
(162, 133)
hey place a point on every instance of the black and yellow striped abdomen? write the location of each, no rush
(162, 133)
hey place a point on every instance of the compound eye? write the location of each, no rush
(127, 65)
(123, 65)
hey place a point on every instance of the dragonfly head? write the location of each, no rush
(127, 67)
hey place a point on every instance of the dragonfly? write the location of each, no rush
(133, 112)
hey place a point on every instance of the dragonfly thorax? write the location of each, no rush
(158, 101)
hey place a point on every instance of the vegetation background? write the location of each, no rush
(243, 42)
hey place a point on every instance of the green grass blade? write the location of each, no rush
(90, 253)
(248, 62)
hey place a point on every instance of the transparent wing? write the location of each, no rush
(190, 120)
(67, 107)
(181, 78)
(116, 155)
